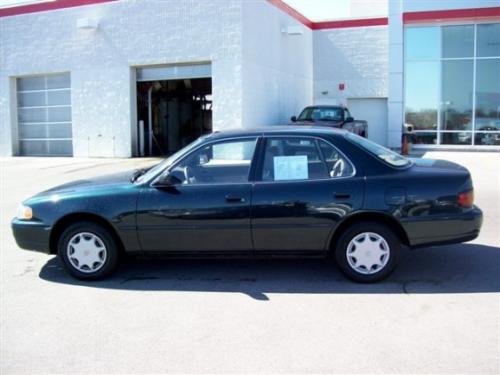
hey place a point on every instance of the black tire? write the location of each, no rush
(111, 251)
(378, 272)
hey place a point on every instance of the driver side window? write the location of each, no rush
(223, 162)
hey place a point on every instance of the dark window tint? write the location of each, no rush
(456, 95)
(488, 40)
(458, 41)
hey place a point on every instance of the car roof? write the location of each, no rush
(278, 130)
(326, 106)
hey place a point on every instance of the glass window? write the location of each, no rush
(424, 138)
(337, 164)
(60, 130)
(456, 138)
(225, 162)
(390, 157)
(36, 148)
(59, 97)
(322, 114)
(59, 114)
(33, 131)
(154, 170)
(44, 115)
(60, 147)
(446, 101)
(456, 104)
(31, 83)
(296, 158)
(31, 99)
(58, 81)
(32, 115)
(488, 95)
(458, 41)
(422, 43)
(487, 138)
(488, 40)
(422, 94)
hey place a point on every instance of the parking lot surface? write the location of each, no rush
(438, 313)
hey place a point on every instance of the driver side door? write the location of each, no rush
(209, 209)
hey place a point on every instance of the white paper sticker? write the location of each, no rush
(290, 168)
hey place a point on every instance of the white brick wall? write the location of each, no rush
(277, 67)
(130, 33)
(357, 57)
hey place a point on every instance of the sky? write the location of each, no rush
(321, 10)
(7, 3)
(315, 10)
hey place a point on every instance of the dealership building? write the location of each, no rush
(123, 78)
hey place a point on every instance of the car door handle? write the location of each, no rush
(342, 195)
(233, 199)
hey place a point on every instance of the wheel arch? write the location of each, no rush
(76, 217)
(378, 217)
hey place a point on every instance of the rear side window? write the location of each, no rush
(297, 158)
(384, 154)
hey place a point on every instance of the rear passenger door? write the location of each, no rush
(303, 187)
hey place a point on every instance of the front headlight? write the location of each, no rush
(24, 213)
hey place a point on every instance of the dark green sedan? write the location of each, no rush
(282, 191)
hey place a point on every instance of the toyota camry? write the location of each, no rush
(280, 191)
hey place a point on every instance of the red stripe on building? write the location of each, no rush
(52, 5)
(452, 14)
(327, 24)
(292, 12)
(351, 23)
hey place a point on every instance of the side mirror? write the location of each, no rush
(168, 180)
(349, 119)
(294, 119)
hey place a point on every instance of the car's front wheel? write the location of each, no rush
(88, 251)
(367, 252)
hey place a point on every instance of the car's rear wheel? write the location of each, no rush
(88, 251)
(367, 252)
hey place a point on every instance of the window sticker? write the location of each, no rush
(290, 168)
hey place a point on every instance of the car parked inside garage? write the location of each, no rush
(282, 191)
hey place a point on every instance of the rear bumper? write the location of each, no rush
(444, 230)
(31, 235)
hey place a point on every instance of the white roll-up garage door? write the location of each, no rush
(374, 111)
(44, 115)
(168, 72)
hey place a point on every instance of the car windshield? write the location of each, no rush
(321, 114)
(153, 171)
(388, 156)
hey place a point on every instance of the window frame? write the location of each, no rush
(258, 170)
(475, 58)
(169, 168)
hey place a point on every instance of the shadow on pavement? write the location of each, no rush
(463, 268)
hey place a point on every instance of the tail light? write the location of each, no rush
(466, 199)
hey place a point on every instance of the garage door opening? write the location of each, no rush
(172, 113)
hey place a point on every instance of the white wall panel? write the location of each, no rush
(357, 57)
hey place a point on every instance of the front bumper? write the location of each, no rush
(31, 235)
(442, 230)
